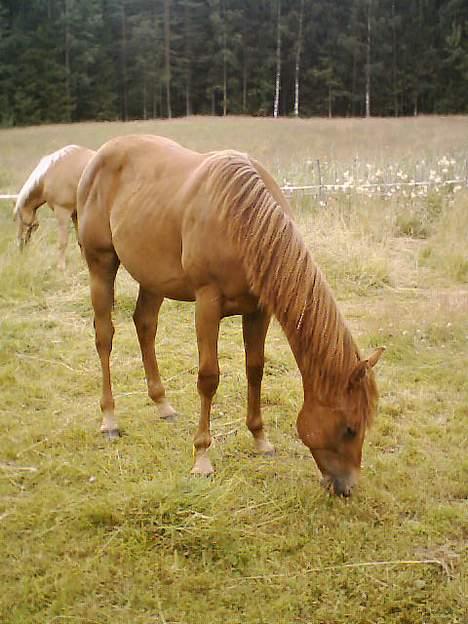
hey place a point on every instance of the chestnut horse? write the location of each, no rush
(216, 229)
(54, 180)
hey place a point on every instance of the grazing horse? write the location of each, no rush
(215, 229)
(54, 180)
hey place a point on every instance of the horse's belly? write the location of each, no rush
(155, 267)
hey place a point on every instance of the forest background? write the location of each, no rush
(76, 60)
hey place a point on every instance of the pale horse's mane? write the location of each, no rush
(37, 175)
(286, 279)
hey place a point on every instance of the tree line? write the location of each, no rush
(74, 60)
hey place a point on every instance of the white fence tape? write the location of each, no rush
(343, 188)
(366, 187)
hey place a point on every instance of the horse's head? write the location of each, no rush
(27, 223)
(334, 431)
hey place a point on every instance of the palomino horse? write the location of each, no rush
(54, 180)
(215, 229)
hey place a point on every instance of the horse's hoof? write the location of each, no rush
(111, 434)
(202, 467)
(263, 447)
(170, 418)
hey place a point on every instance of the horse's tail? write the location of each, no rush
(32, 185)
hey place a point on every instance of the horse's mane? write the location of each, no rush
(285, 278)
(37, 175)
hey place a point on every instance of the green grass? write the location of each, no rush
(97, 532)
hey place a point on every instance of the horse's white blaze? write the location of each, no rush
(38, 174)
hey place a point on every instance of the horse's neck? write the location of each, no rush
(325, 355)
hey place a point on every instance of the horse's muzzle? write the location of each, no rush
(340, 486)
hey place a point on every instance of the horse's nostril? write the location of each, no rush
(341, 487)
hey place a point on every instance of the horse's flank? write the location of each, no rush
(285, 278)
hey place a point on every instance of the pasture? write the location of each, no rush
(93, 532)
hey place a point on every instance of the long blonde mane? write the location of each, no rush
(37, 175)
(284, 277)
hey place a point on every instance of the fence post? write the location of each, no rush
(319, 175)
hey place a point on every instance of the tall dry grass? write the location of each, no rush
(288, 147)
(371, 243)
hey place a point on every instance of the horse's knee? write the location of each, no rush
(208, 384)
(104, 334)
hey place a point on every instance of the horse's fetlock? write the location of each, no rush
(255, 426)
(156, 393)
(202, 441)
(107, 404)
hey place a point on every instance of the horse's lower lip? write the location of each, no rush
(346, 493)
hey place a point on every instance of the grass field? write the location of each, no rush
(92, 532)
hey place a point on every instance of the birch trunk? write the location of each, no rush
(167, 54)
(244, 85)
(368, 57)
(278, 63)
(394, 63)
(224, 64)
(67, 53)
(298, 61)
(188, 57)
(124, 63)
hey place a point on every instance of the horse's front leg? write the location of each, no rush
(207, 319)
(255, 327)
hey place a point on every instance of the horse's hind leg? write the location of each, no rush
(255, 327)
(103, 267)
(146, 323)
(63, 218)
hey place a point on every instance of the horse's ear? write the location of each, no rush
(375, 357)
(358, 374)
(363, 366)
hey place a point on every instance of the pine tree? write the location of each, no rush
(71, 60)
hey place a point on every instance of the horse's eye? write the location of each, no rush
(349, 433)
